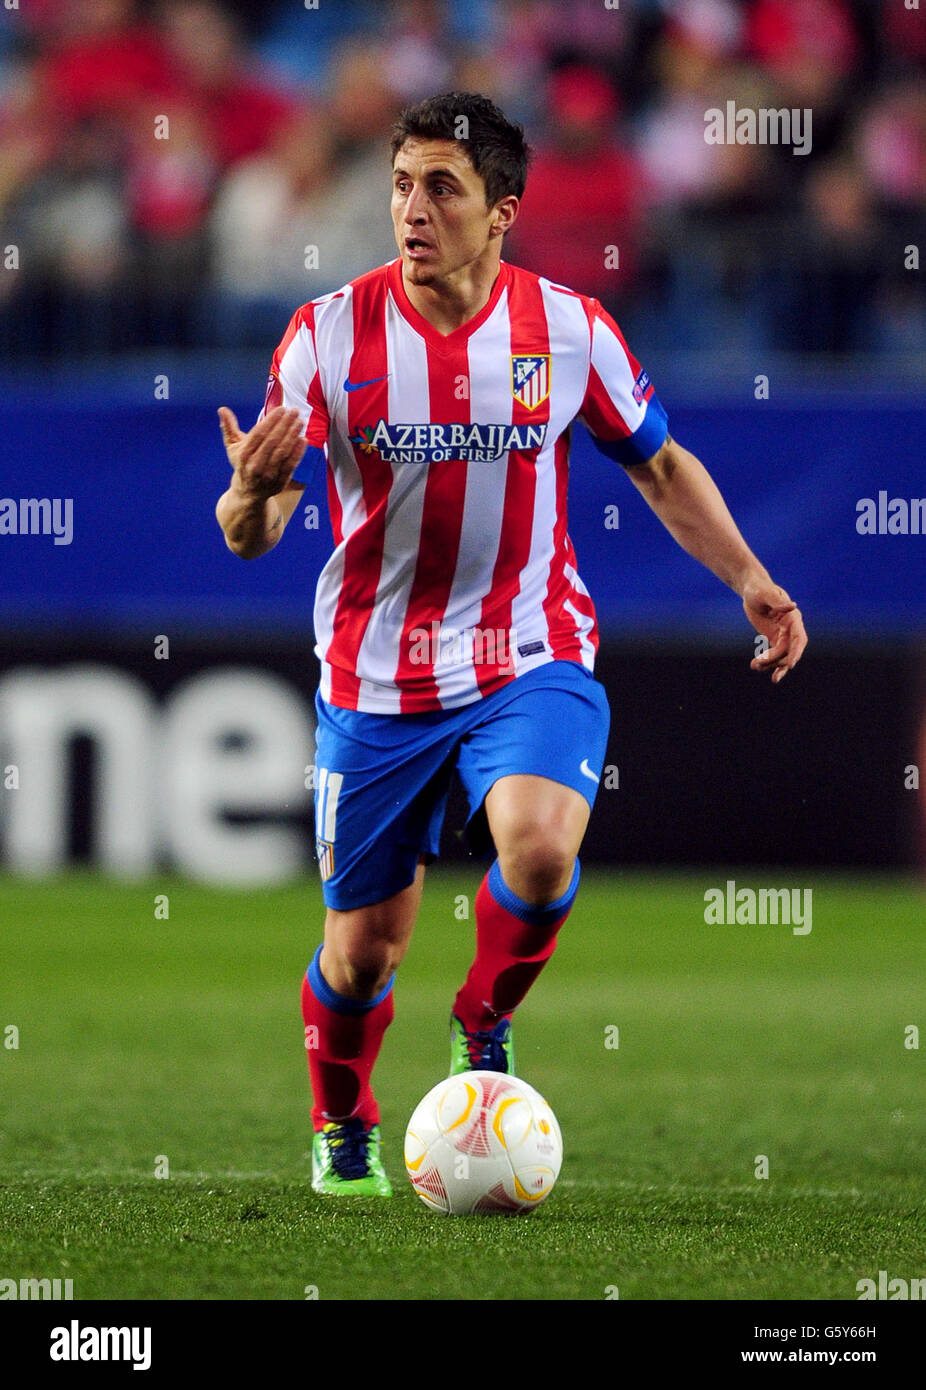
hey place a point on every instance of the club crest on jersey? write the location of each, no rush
(530, 378)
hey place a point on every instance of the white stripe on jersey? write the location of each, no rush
(334, 327)
(583, 627)
(335, 338)
(610, 362)
(566, 325)
(483, 510)
(334, 333)
(584, 624)
(408, 400)
(297, 366)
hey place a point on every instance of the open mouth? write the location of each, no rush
(415, 246)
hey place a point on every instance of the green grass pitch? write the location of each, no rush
(142, 1038)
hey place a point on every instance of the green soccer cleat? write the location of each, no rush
(491, 1049)
(346, 1161)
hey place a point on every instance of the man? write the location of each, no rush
(451, 624)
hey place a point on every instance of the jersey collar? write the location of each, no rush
(442, 341)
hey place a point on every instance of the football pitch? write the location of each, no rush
(684, 1060)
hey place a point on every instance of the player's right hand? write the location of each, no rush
(265, 458)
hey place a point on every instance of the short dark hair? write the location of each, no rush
(496, 146)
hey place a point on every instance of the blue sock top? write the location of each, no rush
(528, 912)
(340, 1003)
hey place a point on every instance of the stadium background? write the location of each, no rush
(155, 276)
(155, 692)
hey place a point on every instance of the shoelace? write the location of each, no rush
(486, 1049)
(348, 1144)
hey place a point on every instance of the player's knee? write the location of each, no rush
(360, 962)
(538, 866)
(360, 974)
(365, 980)
(369, 965)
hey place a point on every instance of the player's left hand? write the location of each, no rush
(778, 618)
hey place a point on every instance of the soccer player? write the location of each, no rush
(453, 629)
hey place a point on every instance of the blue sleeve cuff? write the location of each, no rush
(646, 440)
(312, 460)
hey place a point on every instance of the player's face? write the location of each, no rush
(439, 213)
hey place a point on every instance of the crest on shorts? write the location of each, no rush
(530, 378)
(324, 852)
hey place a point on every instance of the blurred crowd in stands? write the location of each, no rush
(268, 183)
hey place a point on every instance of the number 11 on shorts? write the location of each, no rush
(326, 810)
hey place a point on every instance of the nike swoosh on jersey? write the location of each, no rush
(357, 385)
(586, 771)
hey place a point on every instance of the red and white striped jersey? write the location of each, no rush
(447, 469)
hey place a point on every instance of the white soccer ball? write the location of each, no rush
(483, 1141)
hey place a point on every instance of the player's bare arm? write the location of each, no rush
(688, 503)
(262, 496)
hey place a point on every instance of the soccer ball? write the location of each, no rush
(483, 1141)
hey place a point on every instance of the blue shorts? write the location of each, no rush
(382, 780)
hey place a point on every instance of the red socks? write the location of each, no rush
(342, 1038)
(514, 941)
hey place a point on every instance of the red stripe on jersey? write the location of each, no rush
(316, 431)
(441, 524)
(318, 424)
(529, 335)
(319, 421)
(292, 328)
(274, 396)
(363, 555)
(582, 603)
(600, 413)
(334, 507)
(564, 643)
